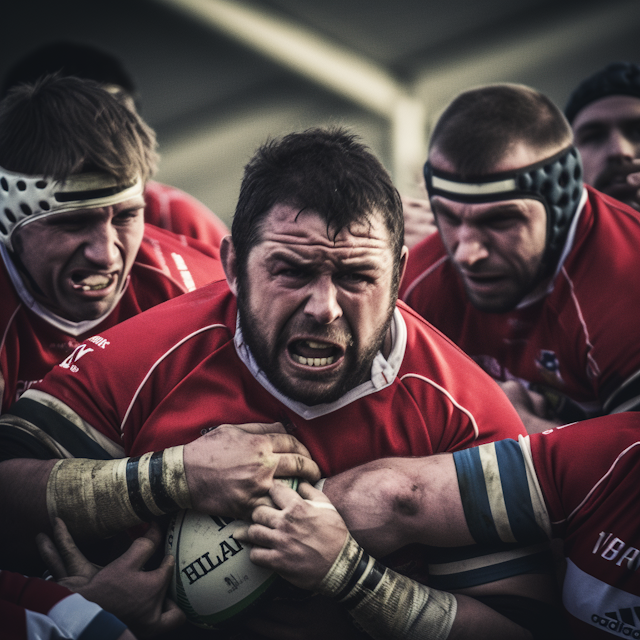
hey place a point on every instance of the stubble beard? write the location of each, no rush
(358, 360)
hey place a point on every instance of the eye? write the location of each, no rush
(633, 132)
(445, 217)
(591, 136)
(352, 278)
(127, 216)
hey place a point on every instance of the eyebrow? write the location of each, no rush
(362, 263)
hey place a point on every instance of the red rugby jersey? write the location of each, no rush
(166, 266)
(580, 341)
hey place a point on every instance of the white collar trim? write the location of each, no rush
(383, 372)
(69, 327)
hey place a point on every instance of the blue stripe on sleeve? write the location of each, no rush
(515, 489)
(104, 626)
(473, 492)
(534, 563)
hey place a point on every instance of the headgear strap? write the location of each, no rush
(24, 199)
(554, 181)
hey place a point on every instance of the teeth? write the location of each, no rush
(313, 362)
(94, 283)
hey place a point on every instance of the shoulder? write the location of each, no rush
(170, 208)
(427, 264)
(185, 261)
(434, 366)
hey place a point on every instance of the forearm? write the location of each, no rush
(23, 499)
(94, 498)
(388, 605)
(389, 503)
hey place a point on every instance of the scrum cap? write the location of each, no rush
(25, 199)
(555, 181)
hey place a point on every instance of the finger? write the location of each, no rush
(139, 553)
(286, 443)
(293, 464)
(283, 496)
(260, 427)
(264, 501)
(257, 535)
(311, 493)
(51, 557)
(172, 617)
(267, 516)
(75, 562)
(634, 179)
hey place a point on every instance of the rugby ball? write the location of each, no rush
(214, 580)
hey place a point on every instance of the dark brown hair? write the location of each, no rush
(326, 170)
(482, 124)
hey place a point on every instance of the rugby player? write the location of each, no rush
(569, 483)
(531, 273)
(307, 333)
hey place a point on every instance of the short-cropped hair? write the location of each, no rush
(59, 126)
(327, 171)
(481, 125)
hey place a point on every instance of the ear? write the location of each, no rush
(229, 264)
(403, 261)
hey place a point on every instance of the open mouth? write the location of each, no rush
(92, 282)
(312, 353)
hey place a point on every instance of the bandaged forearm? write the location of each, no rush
(104, 497)
(385, 604)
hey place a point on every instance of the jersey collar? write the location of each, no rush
(383, 372)
(69, 327)
(568, 245)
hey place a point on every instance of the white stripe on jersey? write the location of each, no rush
(598, 603)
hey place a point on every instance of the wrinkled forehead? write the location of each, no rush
(286, 222)
(608, 110)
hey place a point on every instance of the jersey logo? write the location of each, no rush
(549, 367)
(70, 361)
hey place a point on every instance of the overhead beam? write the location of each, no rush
(334, 67)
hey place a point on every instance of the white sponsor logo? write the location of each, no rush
(70, 361)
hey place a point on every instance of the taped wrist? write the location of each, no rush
(385, 604)
(104, 497)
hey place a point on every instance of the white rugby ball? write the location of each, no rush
(214, 580)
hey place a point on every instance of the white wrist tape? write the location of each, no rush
(385, 604)
(104, 497)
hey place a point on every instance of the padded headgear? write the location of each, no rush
(554, 181)
(616, 79)
(24, 199)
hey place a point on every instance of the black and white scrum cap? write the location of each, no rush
(27, 198)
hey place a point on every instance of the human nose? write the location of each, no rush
(619, 146)
(101, 245)
(322, 304)
(470, 247)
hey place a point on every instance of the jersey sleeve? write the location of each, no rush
(579, 464)
(505, 513)
(35, 608)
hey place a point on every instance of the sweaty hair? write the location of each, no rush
(59, 126)
(481, 125)
(324, 170)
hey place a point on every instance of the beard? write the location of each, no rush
(316, 387)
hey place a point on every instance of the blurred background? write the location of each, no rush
(219, 77)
